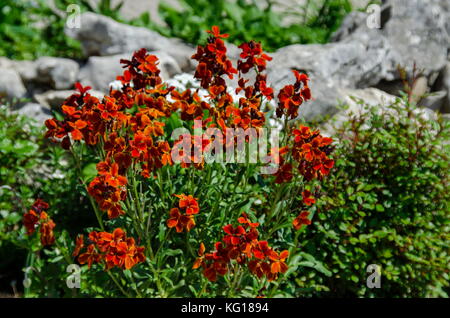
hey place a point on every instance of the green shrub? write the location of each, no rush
(386, 203)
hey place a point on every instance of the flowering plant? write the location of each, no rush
(169, 182)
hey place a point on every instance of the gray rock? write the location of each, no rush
(419, 90)
(59, 73)
(434, 101)
(35, 111)
(55, 99)
(100, 71)
(346, 64)
(11, 85)
(330, 67)
(412, 32)
(100, 35)
(349, 25)
(6, 62)
(444, 84)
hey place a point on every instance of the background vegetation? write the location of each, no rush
(30, 29)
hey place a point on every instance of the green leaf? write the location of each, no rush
(89, 172)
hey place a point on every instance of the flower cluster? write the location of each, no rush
(37, 217)
(130, 128)
(241, 244)
(213, 64)
(128, 140)
(181, 221)
(111, 249)
(291, 97)
(311, 151)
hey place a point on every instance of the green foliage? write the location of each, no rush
(388, 203)
(30, 29)
(251, 20)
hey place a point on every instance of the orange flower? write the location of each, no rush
(301, 219)
(46, 230)
(291, 97)
(308, 199)
(302, 133)
(215, 31)
(113, 249)
(245, 220)
(201, 256)
(188, 203)
(90, 256)
(311, 151)
(279, 262)
(241, 244)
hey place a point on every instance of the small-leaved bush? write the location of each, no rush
(388, 203)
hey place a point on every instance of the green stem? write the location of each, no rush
(117, 283)
(91, 200)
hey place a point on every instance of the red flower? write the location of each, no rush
(308, 199)
(234, 234)
(46, 230)
(78, 245)
(180, 221)
(90, 256)
(284, 173)
(30, 221)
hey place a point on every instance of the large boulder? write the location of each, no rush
(59, 73)
(412, 31)
(100, 35)
(100, 71)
